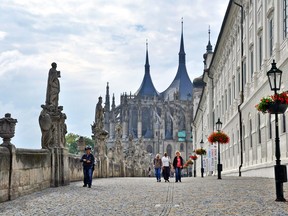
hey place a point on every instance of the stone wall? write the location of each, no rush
(75, 167)
(23, 171)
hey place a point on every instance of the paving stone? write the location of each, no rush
(145, 196)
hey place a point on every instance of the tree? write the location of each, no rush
(72, 142)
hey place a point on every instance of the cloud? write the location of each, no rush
(94, 42)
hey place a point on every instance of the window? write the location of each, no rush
(283, 123)
(251, 135)
(238, 141)
(251, 63)
(260, 50)
(270, 127)
(169, 150)
(270, 38)
(233, 144)
(239, 81)
(244, 71)
(243, 139)
(285, 19)
(149, 149)
(234, 93)
(259, 128)
(229, 95)
(226, 100)
(181, 147)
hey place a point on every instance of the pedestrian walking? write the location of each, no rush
(166, 167)
(88, 166)
(178, 166)
(157, 167)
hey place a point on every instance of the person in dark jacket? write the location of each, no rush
(178, 166)
(88, 165)
(157, 167)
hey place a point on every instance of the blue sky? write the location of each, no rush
(94, 42)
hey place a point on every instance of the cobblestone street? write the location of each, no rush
(145, 196)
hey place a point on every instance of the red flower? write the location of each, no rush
(218, 137)
(193, 157)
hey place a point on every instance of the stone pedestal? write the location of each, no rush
(60, 167)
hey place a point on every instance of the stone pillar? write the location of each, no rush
(7, 131)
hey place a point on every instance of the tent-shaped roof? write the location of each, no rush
(147, 88)
(181, 87)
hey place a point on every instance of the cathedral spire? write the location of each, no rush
(209, 46)
(182, 51)
(181, 85)
(113, 102)
(147, 88)
(147, 66)
(107, 99)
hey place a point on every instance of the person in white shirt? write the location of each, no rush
(166, 167)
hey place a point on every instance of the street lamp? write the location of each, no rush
(274, 77)
(194, 165)
(219, 166)
(202, 169)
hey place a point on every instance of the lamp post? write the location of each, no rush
(194, 166)
(219, 166)
(202, 169)
(274, 77)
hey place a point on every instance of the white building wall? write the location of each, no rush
(223, 91)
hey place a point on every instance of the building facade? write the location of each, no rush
(253, 34)
(161, 120)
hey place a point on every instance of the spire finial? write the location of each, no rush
(182, 52)
(209, 32)
(182, 24)
(147, 58)
(209, 46)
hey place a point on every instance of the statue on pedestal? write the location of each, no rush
(53, 86)
(51, 118)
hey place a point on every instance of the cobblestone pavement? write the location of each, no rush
(145, 196)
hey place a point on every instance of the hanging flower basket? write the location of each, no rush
(277, 108)
(187, 163)
(219, 137)
(193, 157)
(200, 151)
(273, 104)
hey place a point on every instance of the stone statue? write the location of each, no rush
(99, 115)
(53, 86)
(63, 130)
(45, 123)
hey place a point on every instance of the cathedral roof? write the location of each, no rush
(181, 87)
(147, 88)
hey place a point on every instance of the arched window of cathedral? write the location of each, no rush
(149, 149)
(181, 147)
(169, 150)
